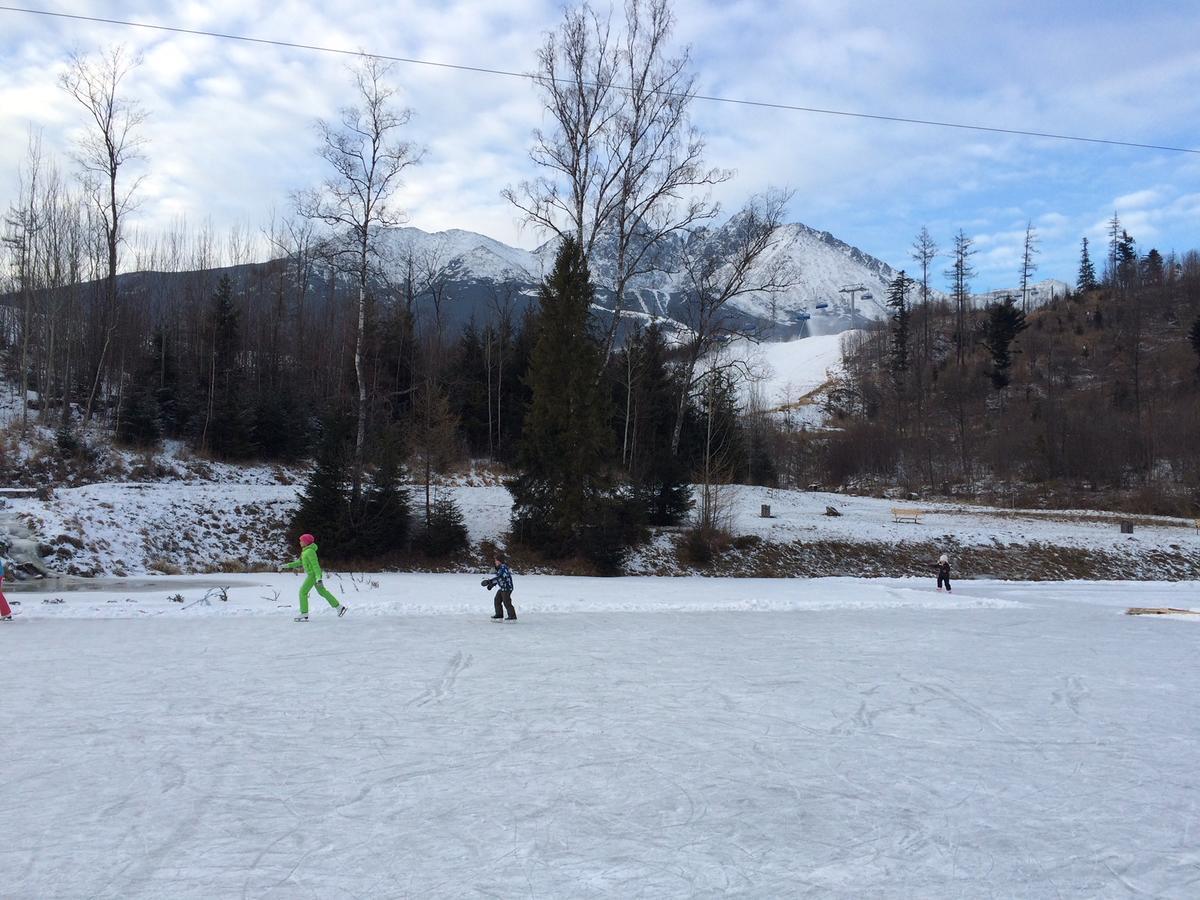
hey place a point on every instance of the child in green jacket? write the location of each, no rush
(313, 577)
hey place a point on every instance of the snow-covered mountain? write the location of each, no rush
(1039, 294)
(477, 277)
(476, 269)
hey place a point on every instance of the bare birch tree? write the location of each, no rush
(622, 168)
(368, 162)
(574, 194)
(109, 144)
(22, 225)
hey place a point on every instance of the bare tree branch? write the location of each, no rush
(368, 164)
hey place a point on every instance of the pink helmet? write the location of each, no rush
(306, 539)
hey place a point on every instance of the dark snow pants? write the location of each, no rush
(944, 580)
(504, 603)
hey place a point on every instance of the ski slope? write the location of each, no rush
(627, 738)
(785, 372)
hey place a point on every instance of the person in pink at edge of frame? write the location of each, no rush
(5, 609)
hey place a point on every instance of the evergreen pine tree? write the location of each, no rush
(1194, 338)
(174, 409)
(660, 477)
(762, 469)
(446, 533)
(469, 391)
(1004, 322)
(67, 441)
(279, 428)
(564, 483)
(514, 396)
(324, 509)
(1153, 269)
(228, 425)
(137, 417)
(1127, 262)
(1087, 271)
(898, 300)
(383, 527)
(138, 414)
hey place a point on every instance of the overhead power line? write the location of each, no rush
(764, 104)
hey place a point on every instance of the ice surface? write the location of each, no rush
(843, 738)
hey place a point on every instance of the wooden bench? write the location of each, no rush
(907, 515)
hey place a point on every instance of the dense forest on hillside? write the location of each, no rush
(1092, 400)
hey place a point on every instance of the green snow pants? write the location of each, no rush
(309, 583)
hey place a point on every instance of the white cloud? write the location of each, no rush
(1147, 197)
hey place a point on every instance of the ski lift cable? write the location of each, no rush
(710, 98)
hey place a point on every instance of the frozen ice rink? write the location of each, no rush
(627, 738)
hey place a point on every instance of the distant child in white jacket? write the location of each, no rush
(943, 572)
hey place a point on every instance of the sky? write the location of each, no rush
(230, 133)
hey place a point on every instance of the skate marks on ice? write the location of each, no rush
(942, 754)
(1072, 694)
(437, 689)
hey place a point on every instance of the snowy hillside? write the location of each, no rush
(1040, 294)
(783, 373)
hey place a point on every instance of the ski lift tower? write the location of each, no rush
(853, 290)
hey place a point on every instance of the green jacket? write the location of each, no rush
(308, 559)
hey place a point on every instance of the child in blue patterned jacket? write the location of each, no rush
(503, 580)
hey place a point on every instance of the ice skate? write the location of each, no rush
(342, 611)
(303, 618)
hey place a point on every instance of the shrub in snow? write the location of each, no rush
(446, 531)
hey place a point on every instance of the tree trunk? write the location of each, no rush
(487, 366)
(360, 436)
(677, 431)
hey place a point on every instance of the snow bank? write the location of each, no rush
(800, 515)
(134, 528)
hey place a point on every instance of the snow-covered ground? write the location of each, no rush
(197, 526)
(132, 528)
(865, 540)
(800, 515)
(627, 738)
